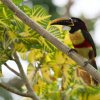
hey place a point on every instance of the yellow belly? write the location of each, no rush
(84, 51)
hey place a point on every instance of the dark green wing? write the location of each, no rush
(90, 40)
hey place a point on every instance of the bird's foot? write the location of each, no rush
(87, 62)
(71, 50)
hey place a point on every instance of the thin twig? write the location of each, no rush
(15, 72)
(24, 78)
(39, 66)
(13, 90)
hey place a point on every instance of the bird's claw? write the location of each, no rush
(86, 63)
(71, 50)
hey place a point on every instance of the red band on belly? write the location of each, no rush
(82, 45)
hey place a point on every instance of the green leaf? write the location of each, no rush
(46, 44)
(19, 25)
(30, 68)
(40, 15)
(59, 58)
(56, 31)
(20, 47)
(35, 54)
(17, 2)
(4, 56)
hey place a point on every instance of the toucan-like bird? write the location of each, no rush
(82, 42)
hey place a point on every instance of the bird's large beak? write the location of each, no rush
(62, 21)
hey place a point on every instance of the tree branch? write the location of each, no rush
(65, 49)
(24, 78)
(15, 72)
(13, 90)
(68, 6)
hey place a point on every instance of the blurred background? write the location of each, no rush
(87, 10)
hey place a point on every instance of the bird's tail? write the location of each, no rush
(93, 63)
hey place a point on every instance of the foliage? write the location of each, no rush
(48, 4)
(54, 75)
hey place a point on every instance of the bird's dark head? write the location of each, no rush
(74, 23)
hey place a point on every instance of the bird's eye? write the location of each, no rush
(71, 20)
